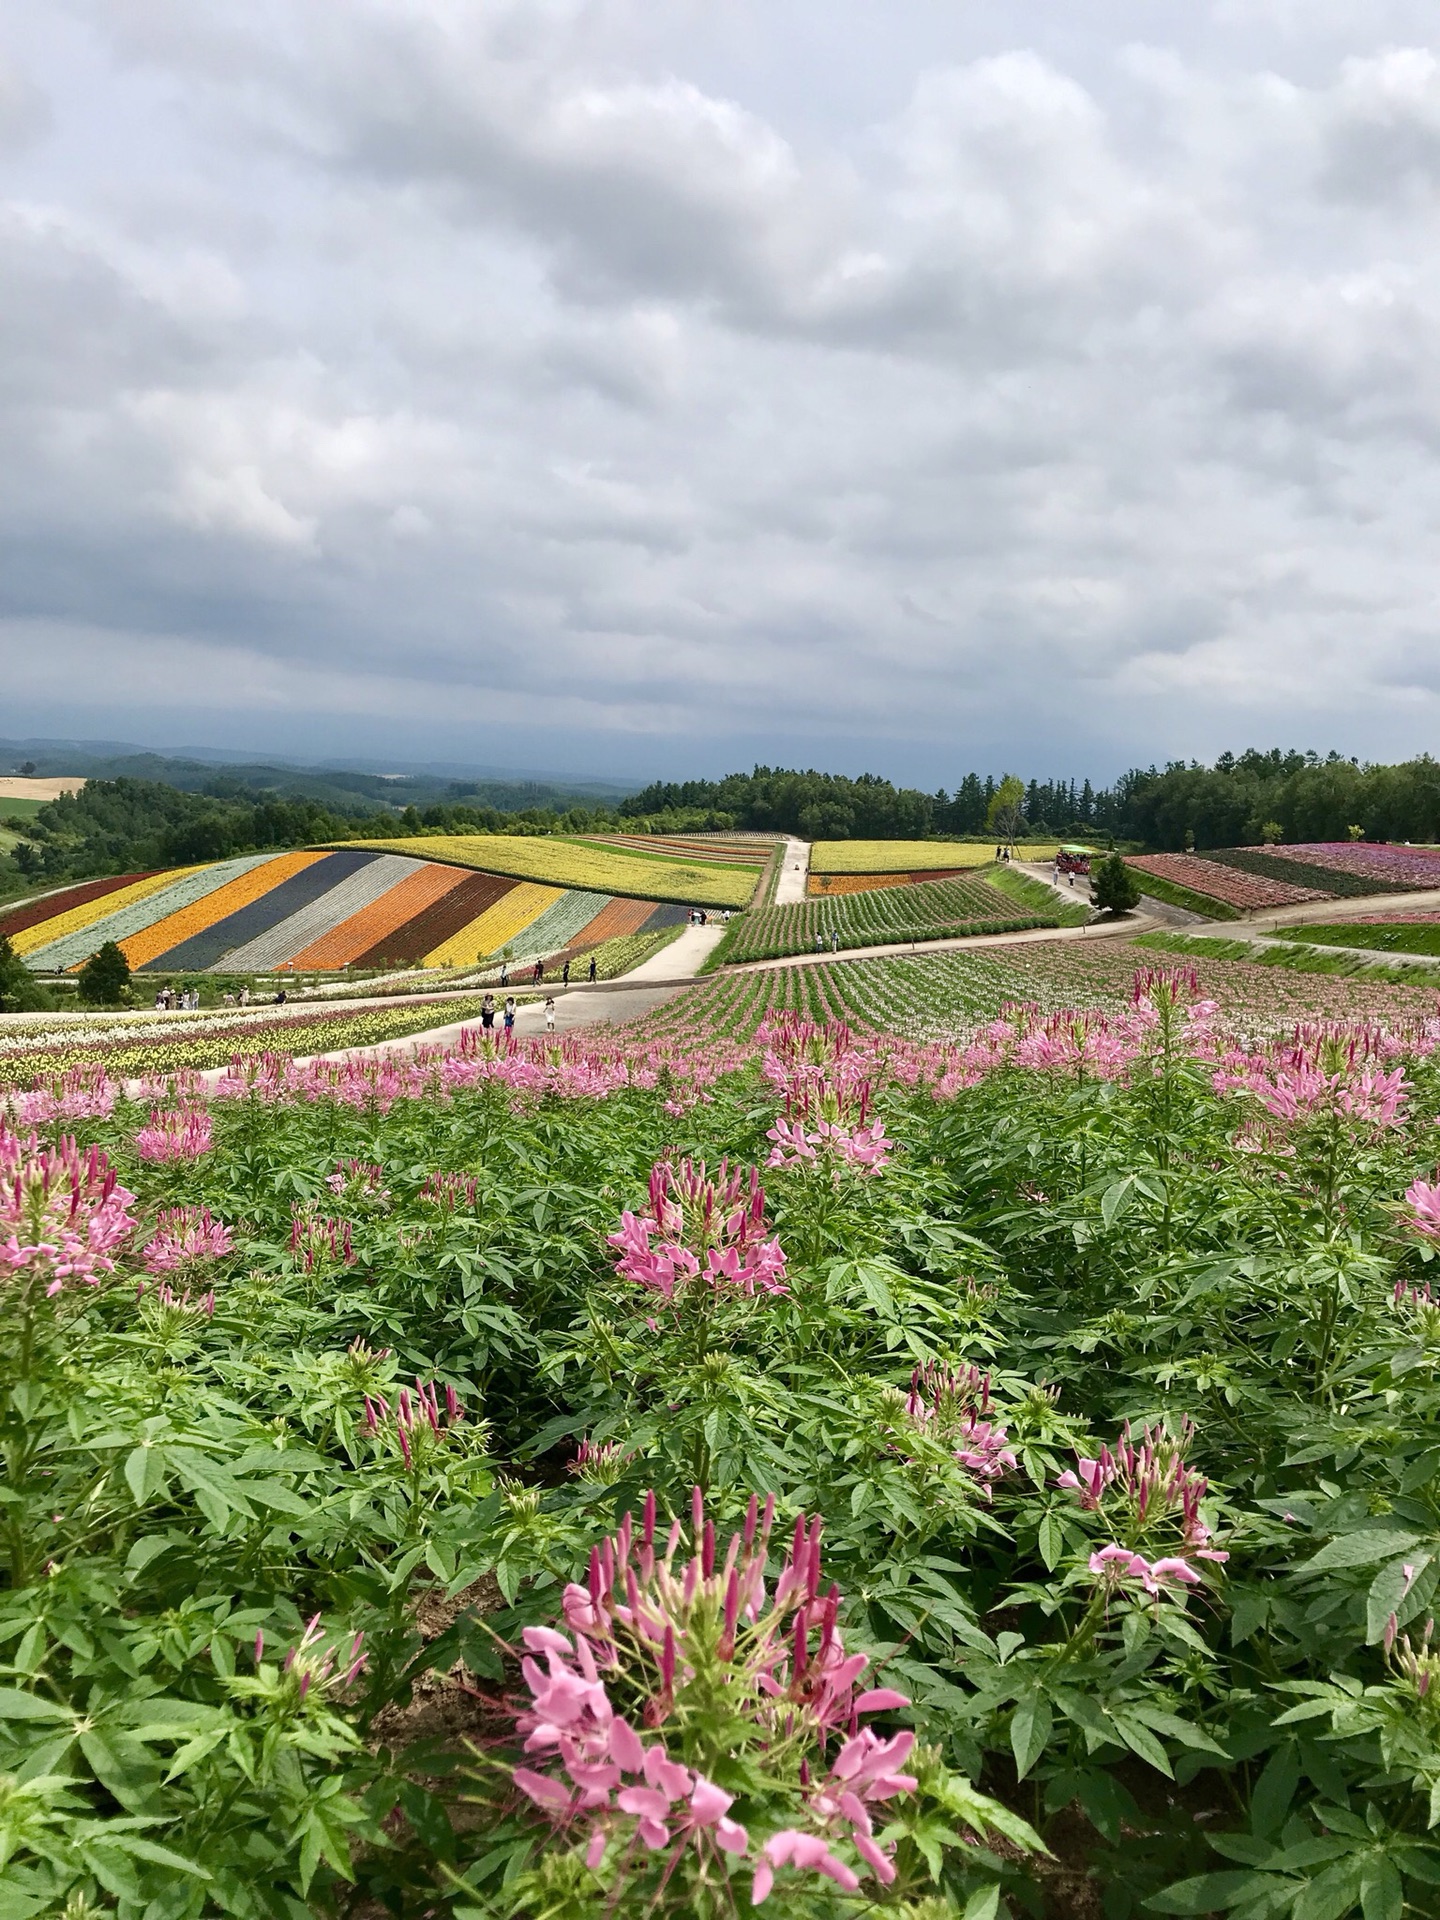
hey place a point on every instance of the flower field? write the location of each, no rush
(592, 866)
(739, 1462)
(935, 910)
(1232, 886)
(829, 884)
(131, 1045)
(754, 851)
(1388, 865)
(912, 856)
(316, 910)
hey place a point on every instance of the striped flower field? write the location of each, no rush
(323, 910)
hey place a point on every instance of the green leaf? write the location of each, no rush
(984, 1904)
(1382, 1893)
(1051, 1542)
(1388, 1591)
(142, 1849)
(1333, 1895)
(1250, 1612)
(1360, 1549)
(1275, 1789)
(1139, 1739)
(145, 1474)
(1030, 1726)
(15, 1705)
(1210, 1892)
(204, 1477)
(1114, 1198)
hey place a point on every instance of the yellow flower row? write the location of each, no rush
(78, 918)
(583, 865)
(495, 928)
(912, 856)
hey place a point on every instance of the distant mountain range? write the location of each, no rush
(345, 786)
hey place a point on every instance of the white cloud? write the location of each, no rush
(494, 364)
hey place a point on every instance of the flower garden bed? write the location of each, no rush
(587, 865)
(936, 910)
(1385, 869)
(1330, 882)
(706, 1468)
(914, 856)
(1224, 880)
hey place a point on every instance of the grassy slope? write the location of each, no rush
(1036, 897)
(1421, 937)
(1291, 958)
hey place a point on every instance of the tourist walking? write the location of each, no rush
(539, 973)
(592, 973)
(504, 973)
(487, 1012)
(550, 1013)
(565, 974)
(510, 1014)
(834, 941)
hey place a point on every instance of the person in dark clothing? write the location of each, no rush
(565, 974)
(592, 974)
(487, 1012)
(539, 973)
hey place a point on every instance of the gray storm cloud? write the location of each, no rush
(542, 370)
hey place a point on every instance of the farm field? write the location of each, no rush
(1251, 879)
(316, 910)
(1053, 1333)
(914, 856)
(931, 910)
(590, 865)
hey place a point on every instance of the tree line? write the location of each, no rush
(1239, 800)
(131, 825)
(125, 825)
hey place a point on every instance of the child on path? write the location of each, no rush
(550, 1014)
(510, 1014)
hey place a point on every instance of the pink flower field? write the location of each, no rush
(1234, 888)
(1407, 866)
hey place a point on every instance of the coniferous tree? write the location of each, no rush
(1114, 888)
(105, 976)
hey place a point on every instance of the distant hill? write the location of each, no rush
(357, 791)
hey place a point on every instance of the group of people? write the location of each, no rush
(834, 941)
(489, 1013)
(537, 972)
(700, 918)
(182, 999)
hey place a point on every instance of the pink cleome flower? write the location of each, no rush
(695, 1218)
(62, 1213)
(186, 1237)
(659, 1627)
(179, 1133)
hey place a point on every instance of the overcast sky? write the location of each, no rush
(647, 385)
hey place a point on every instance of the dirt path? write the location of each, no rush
(682, 959)
(794, 874)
